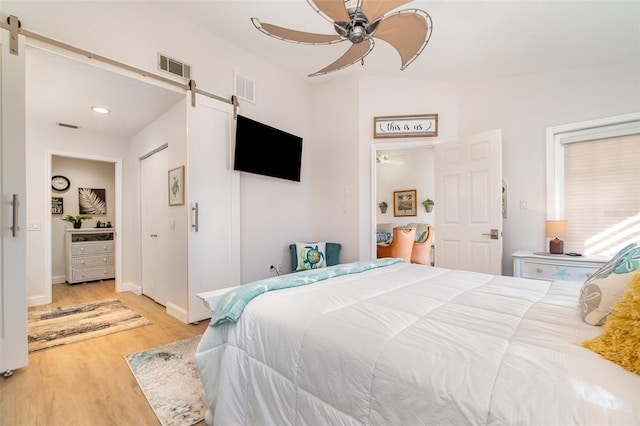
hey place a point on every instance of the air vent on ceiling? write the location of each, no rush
(173, 66)
(245, 87)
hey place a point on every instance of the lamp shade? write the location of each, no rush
(556, 228)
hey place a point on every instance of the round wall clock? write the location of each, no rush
(60, 183)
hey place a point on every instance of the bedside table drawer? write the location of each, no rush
(555, 272)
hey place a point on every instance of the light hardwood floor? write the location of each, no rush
(89, 383)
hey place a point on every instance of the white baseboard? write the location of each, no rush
(177, 312)
(59, 279)
(37, 300)
(132, 287)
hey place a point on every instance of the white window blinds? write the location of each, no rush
(602, 194)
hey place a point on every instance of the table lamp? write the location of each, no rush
(555, 229)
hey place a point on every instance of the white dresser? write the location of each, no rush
(90, 254)
(555, 267)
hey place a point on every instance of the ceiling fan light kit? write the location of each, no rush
(359, 22)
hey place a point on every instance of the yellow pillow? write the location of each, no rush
(620, 341)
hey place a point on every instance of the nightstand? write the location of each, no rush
(555, 267)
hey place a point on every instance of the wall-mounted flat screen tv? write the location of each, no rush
(265, 150)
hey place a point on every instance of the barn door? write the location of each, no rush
(13, 250)
(214, 202)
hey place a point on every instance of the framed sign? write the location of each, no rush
(176, 186)
(405, 126)
(404, 203)
(57, 205)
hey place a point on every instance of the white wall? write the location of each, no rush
(524, 107)
(169, 128)
(335, 202)
(82, 174)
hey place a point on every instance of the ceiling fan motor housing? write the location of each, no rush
(357, 34)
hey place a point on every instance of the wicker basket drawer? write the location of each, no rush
(93, 274)
(91, 248)
(92, 261)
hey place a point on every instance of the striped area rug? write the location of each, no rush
(58, 326)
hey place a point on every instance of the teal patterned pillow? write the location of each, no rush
(606, 287)
(311, 256)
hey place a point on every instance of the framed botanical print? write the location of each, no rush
(404, 203)
(176, 186)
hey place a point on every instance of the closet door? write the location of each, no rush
(13, 249)
(155, 226)
(214, 236)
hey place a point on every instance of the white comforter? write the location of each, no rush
(409, 344)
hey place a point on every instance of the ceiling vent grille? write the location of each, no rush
(245, 88)
(173, 66)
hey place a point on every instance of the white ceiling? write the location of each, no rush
(62, 90)
(471, 40)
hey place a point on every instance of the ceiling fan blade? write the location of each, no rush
(408, 31)
(355, 53)
(331, 10)
(374, 9)
(294, 36)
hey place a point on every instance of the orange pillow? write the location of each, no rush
(620, 341)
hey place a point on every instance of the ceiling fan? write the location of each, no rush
(360, 21)
(382, 158)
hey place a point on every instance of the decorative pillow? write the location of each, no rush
(311, 255)
(606, 287)
(422, 237)
(620, 341)
(383, 237)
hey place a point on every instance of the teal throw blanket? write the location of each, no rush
(233, 303)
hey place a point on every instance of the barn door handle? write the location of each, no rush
(493, 234)
(194, 209)
(15, 227)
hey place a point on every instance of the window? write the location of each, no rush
(593, 182)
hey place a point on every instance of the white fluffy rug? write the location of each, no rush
(170, 381)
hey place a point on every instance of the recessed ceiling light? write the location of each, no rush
(100, 110)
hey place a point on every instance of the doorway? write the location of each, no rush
(82, 171)
(399, 159)
(60, 89)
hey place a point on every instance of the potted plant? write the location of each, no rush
(76, 220)
(383, 206)
(428, 204)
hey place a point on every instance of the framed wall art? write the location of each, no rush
(404, 203)
(92, 201)
(176, 186)
(405, 126)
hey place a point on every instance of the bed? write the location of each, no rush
(405, 344)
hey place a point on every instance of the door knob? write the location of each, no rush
(493, 234)
(154, 235)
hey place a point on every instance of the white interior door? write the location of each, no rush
(469, 199)
(214, 200)
(13, 249)
(155, 226)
